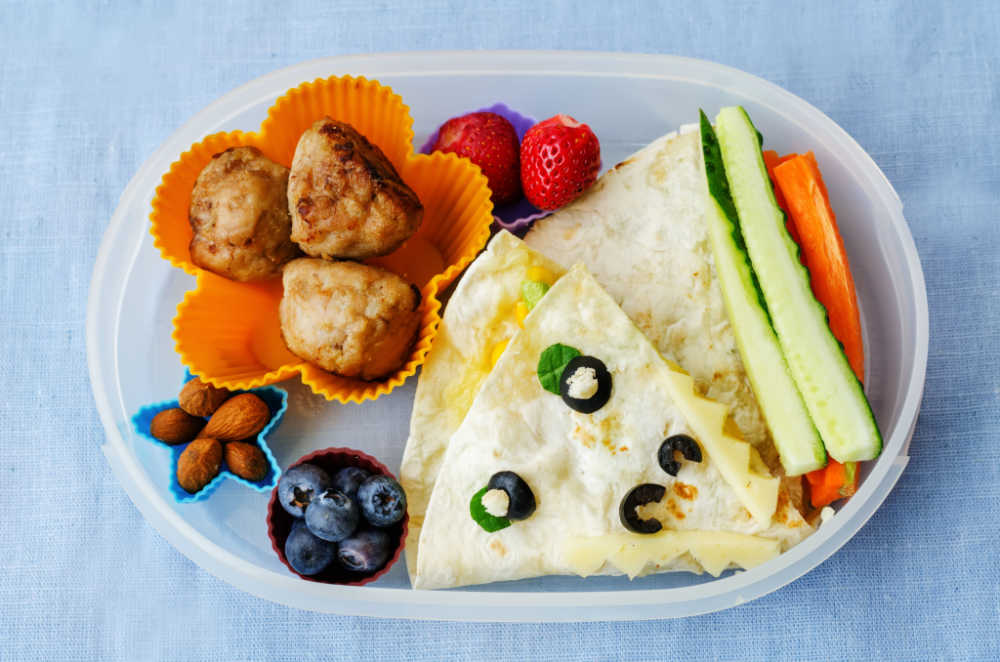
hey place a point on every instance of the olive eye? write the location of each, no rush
(687, 446)
(585, 384)
(638, 496)
(521, 500)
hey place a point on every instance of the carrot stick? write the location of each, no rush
(772, 161)
(822, 252)
(832, 482)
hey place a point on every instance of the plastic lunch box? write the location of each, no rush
(628, 100)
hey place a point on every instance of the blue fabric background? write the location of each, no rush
(87, 93)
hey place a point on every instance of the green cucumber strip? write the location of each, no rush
(792, 430)
(832, 394)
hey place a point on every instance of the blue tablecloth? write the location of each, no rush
(88, 92)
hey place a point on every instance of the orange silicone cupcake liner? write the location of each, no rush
(228, 333)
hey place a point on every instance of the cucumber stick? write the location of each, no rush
(794, 434)
(832, 394)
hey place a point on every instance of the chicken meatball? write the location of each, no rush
(352, 319)
(345, 198)
(239, 215)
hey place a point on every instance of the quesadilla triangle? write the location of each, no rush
(481, 316)
(533, 483)
(642, 233)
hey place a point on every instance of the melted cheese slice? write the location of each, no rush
(737, 461)
(581, 466)
(635, 554)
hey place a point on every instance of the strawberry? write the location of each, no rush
(560, 157)
(489, 141)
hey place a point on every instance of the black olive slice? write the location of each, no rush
(522, 499)
(688, 447)
(666, 458)
(599, 398)
(638, 496)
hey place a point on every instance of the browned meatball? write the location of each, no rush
(239, 214)
(345, 198)
(351, 319)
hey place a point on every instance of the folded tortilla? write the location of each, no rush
(479, 318)
(725, 511)
(640, 231)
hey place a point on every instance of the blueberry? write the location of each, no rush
(332, 516)
(382, 500)
(365, 551)
(305, 552)
(347, 480)
(299, 485)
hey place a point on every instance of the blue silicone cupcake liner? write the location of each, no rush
(277, 402)
(518, 216)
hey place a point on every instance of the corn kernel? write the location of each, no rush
(521, 311)
(497, 351)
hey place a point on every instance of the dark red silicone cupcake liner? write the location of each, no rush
(279, 522)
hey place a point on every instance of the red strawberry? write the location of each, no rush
(560, 157)
(489, 141)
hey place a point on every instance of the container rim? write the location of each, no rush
(104, 316)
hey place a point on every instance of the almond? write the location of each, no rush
(175, 426)
(199, 463)
(245, 460)
(199, 398)
(239, 417)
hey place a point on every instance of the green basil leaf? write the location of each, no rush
(489, 522)
(552, 363)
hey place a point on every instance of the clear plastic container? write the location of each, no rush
(628, 100)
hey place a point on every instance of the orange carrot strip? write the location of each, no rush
(822, 252)
(832, 482)
(772, 161)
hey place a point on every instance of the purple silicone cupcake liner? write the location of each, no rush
(516, 217)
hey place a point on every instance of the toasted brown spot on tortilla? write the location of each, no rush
(498, 547)
(585, 437)
(685, 491)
